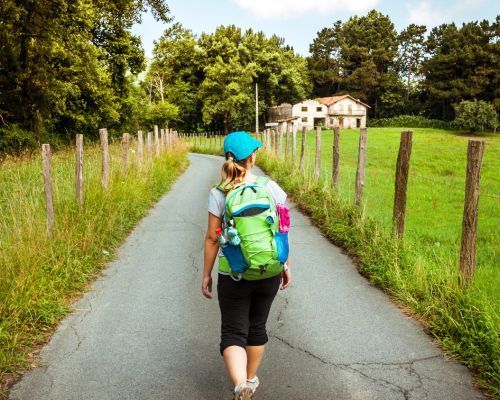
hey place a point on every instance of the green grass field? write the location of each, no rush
(436, 190)
(39, 276)
(424, 273)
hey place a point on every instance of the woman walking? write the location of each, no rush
(247, 229)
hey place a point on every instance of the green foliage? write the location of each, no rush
(15, 140)
(414, 121)
(65, 63)
(407, 73)
(356, 57)
(462, 64)
(212, 78)
(475, 116)
(411, 54)
(161, 113)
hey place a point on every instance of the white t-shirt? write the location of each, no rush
(216, 199)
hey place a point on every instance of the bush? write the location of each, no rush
(14, 140)
(475, 115)
(161, 113)
(413, 121)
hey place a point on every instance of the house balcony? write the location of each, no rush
(353, 113)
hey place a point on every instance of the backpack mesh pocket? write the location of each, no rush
(235, 258)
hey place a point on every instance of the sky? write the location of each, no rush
(298, 21)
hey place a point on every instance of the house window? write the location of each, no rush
(331, 121)
(303, 109)
(318, 109)
(304, 119)
(349, 107)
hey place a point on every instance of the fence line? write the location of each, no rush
(105, 160)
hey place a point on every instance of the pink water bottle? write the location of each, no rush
(284, 217)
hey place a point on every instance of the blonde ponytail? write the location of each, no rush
(232, 173)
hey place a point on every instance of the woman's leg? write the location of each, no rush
(262, 299)
(234, 302)
(254, 357)
(235, 358)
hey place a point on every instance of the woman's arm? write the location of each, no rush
(210, 253)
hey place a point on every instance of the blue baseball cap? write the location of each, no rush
(241, 144)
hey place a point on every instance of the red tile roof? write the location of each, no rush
(328, 101)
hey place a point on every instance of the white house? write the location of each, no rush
(309, 113)
(345, 111)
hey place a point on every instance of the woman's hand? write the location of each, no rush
(206, 286)
(286, 278)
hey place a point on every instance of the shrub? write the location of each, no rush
(475, 115)
(413, 121)
(14, 140)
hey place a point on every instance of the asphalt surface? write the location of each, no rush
(144, 331)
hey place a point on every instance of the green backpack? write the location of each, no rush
(255, 248)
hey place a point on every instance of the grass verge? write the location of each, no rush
(40, 276)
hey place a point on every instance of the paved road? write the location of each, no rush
(145, 332)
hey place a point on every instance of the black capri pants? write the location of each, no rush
(244, 307)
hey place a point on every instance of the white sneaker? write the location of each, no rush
(253, 383)
(242, 392)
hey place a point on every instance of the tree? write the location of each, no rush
(161, 114)
(212, 78)
(64, 63)
(475, 115)
(324, 62)
(463, 64)
(175, 74)
(356, 57)
(411, 53)
(225, 90)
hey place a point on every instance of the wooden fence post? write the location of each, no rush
(336, 158)
(280, 142)
(47, 183)
(303, 151)
(103, 135)
(157, 141)
(79, 169)
(276, 142)
(287, 142)
(125, 143)
(294, 144)
(360, 171)
(475, 153)
(140, 149)
(150, 146)
(317, 169)
(162, 140)
(401, 184)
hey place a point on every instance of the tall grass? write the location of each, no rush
(422, 271)
(39, 276)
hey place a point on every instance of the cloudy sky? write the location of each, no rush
(298, 21)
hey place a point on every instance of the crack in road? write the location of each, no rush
(351, 367)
